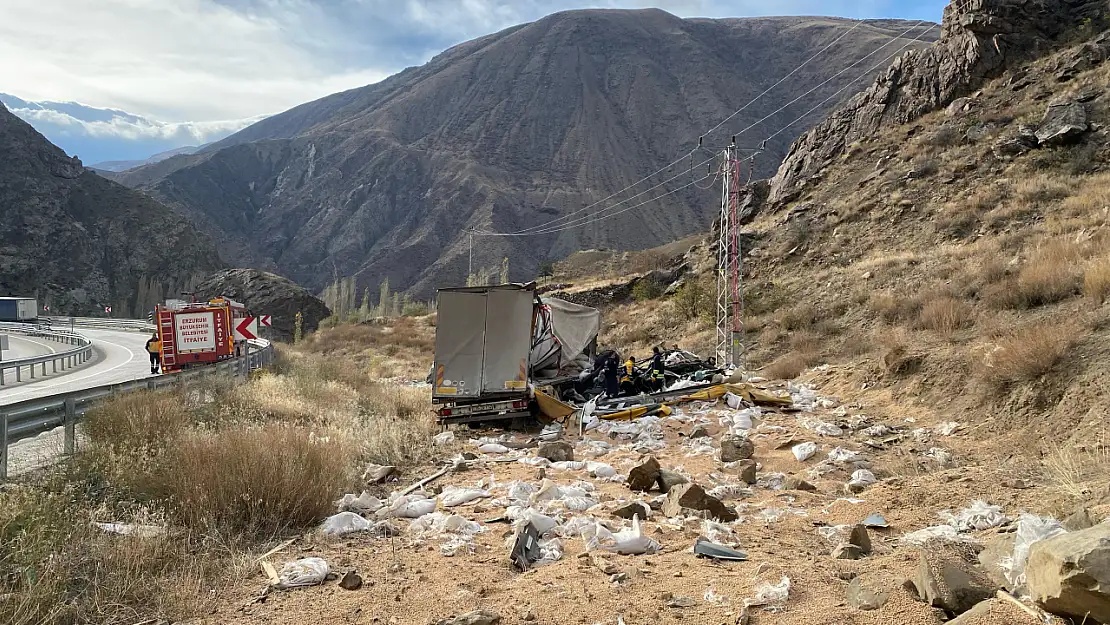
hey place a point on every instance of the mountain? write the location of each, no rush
(509, 131)
(102, 136)
(80, 242)
(267, 294)
(118, 166)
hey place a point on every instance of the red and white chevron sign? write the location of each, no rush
(265, 321)
(246, 329)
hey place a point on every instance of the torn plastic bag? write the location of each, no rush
(519, 492)
(542, 522)
(771, 481)
(835, 534)
(133, 529)
(862, 477)
(734, 401)
(804, 451)
(568, 465)
(579, 504)
(304, 572)
(410, 507)
(844, 456)
(939, 533)
(344, 523)
(548, 491)
(1030, 529)
(493, 448)
(948, 428)
(728, 492)
(980, 515)
(452, 496)
(364, 503)
(718, 533)
(444, 438)
(600, 469)
(625, 542)
(772, 594)
(876, 521)
(715, 551)
(551, 551)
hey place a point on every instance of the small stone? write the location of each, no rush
(541, 474)
(861, 597)
(477, 617)
(351, 581)
(617, 578)
(682, 602)
(746, 470)
(636, 508)
(1079, 520)
(847, 551)
(528, 617)
(693, 497)
(794, 482)
(644, 476)
(666, 596)
(860, 538)
(735, 448)
(699, 431)
(669, 479)
(603, 565)
(559, 451)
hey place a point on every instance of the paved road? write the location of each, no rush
(119, 357)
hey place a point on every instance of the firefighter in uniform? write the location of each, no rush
(628, 376)
(612, 388)
(154, 349)
(658, 371)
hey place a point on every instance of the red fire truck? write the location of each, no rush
(198, 333)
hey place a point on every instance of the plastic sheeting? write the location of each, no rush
(1030, 529)
(304, 572)
(980, 515)
(562, 331)
(804, 451)
(344, 523)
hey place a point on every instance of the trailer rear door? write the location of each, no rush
(508, 340)
(460, 341)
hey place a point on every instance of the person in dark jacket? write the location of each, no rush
(658, 371)
(154, 349)
(612, 371)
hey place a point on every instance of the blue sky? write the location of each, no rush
(220, 61)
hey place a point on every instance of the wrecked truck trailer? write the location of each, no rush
(495, 344)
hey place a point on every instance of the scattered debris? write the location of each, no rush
(804, 451)
(875, 520)
(714, 551)
(979, 515)
(478, 617)
(133, 529)
(377, 473)
(558, 451)
(625, 542)
(861, 479)
(771, 594)
(303, 572)
(365, 503)
(443, 438)
(734, 448)
(344, 523)
(526, 547)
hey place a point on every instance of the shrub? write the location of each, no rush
(789, 366)
(945, 314)
(144, 422)
(1048, 277)
(892, 308)
(693, 300)
(1029, 354)
(644, 290)
(1096, 279)
(799, 317)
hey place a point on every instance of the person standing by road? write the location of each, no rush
(611, 371)
(658, 371)
(154, 349)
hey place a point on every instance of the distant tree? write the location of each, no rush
(384, 301)
(547, 269)
(505, 271)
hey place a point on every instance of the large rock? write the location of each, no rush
(734, 448)
(669, 479)
(1069, 574)
(996, 551)
(1064, 122)
(1079, 520)
(860, 538)
(746, 469)
(684, 498)
(1017, 143)
(980, 39)
(636, 508)
(559, 451)
(265, 293)
(644, 476)
(944, 579)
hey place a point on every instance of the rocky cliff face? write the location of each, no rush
(979, 40)
(80, 242)
(502, 133)
(267, 294)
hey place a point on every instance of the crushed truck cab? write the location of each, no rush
(494, 344)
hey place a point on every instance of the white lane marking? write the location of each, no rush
(69, 380)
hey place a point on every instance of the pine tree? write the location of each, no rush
(364, 310)
(384, 302)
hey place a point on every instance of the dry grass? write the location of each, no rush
(1077, 472)
(1028, 354)
(1051, 275)
(787, 367)
(1096, 279)
(945, 315)
(395, 348)
(891, 307)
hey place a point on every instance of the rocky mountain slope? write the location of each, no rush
(267, 294)
(81, 242)
(505, 132)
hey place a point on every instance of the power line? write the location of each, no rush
(703, 135)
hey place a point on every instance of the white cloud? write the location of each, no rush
(135, 128)
(230, 59)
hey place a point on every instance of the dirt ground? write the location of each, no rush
(408, 580)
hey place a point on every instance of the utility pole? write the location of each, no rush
(729, 272)
(724, 240)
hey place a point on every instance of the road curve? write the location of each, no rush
(118, 357)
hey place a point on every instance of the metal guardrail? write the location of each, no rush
(29, 418)
(69, 358)
(98, 323)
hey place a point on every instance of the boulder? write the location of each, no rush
(997, 550)
(1064, 122)
(734, 448)
(746, 470)
(690, 497)
(636, 508)
(669, 479)
(559, 451)
(270, 294)
(793, 482)
(1016, 143)
(944, 579)
(1069, 574)
(644, 476)
(862, 597)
